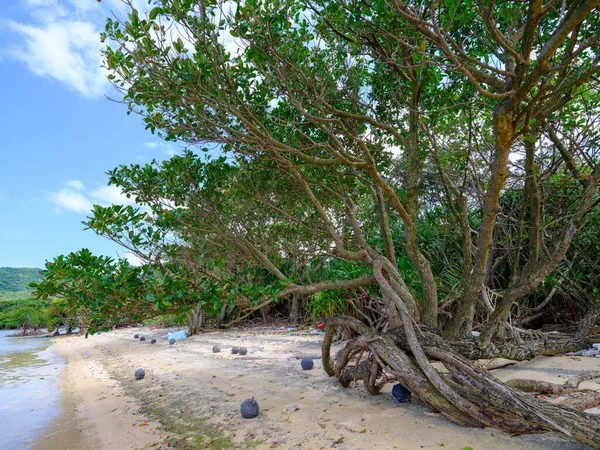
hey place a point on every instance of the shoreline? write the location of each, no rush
(190, 398)
(95, 413)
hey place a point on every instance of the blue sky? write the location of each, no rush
(59, 134)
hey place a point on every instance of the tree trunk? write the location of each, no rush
(504, 135)
(590, 319)
(194, 320)
(295, 310)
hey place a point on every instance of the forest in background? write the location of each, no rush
(18, 307)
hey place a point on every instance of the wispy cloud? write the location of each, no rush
(75, 184)
(169, 148)
(108, 195)
(68, 51)
(132, 259)
(60, 39)
(71, 200)
(75, 198)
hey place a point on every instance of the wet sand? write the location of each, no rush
(190, 398)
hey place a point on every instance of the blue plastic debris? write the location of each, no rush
(177, 335)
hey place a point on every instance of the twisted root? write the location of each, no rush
(468, 395)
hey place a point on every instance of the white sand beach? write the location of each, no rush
(190, 398)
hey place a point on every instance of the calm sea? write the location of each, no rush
(30, 372)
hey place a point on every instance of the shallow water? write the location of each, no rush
(30, 372)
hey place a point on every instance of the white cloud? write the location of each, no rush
(76, 198)
(132, 259)
(169, 148)
(75, 184)
(109, 195)
(71, 200)
(66, 51)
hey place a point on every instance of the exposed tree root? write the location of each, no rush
(548, 345)
(467, 395)
(581, 401)
(545, 387)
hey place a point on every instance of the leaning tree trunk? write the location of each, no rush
(467, 395)
(194, 320)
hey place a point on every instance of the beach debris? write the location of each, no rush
(290, 409)
(216, 348)
(139, 374)
(307, 363)
(401, 394)
(177, 335)
(136, 336)
(475, 333)
(171, 341)
(142, 338)
(249, 408)
(589, 352)
(153, 341)
(235, 350)
(320, 326)
(242, 350)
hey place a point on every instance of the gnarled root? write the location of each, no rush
(581, 401)
(468, 395)
(545, 387)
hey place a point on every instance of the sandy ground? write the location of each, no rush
(96, 413)
(190, 398)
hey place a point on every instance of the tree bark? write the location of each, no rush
(468, 396)
(504, 135)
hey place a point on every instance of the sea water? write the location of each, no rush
(30, 373)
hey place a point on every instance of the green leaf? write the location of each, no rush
(154, 13)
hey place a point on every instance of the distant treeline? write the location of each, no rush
(14, 282)
(28, 312)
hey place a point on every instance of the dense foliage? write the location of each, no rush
(24, 313)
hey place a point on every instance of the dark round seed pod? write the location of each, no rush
(142, 338)
(307, 363)
(242, 350)
(153, 341)
(172, 341)
(139, 374)
(401, 394)
(249, 408)
(216, 348)
(136, 336)
(235, 350)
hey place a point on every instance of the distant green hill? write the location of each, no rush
(14, 282)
